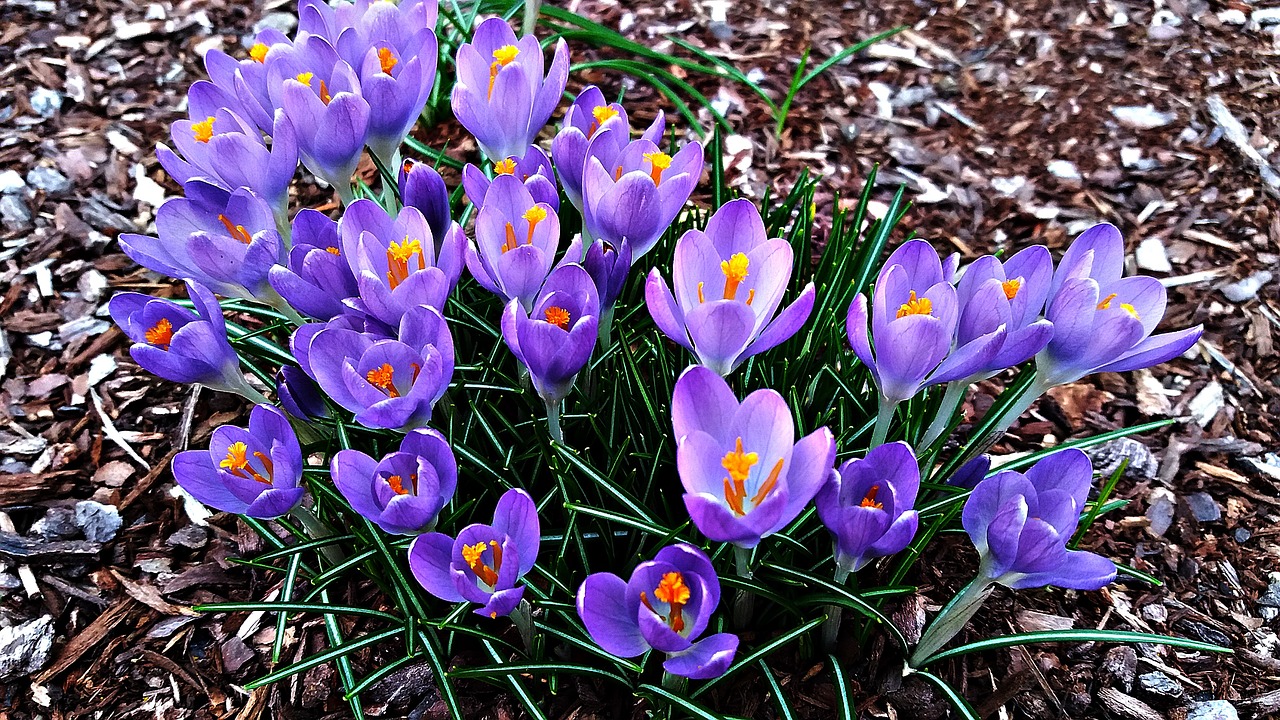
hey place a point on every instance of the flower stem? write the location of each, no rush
(531, 8)
(1015, 411)
(345, 193)
(249, 392)
(522, 616)
(390, 193)
(883, 419)
(317, 530)
(952, 619)
(606, 328)
(831, 627)
(553, 421)
(744, 602)
(950, 401)
(675, 683)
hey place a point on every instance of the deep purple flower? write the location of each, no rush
(913, 319)
(485, 563)
(971, 473)
(423, 188)
(1011, 294)
(608, 265)
(299, 395)
(868, 505)
(666, 605)
(744, 475)
(639, 194)
(239, 85)
(554, 341)
(1021, 524)
(1102, 321)
(387, 383)
(501, 96)
(225, 240)
(317, 279)
(589, 114)
(228, 151)
(533, 169)
(405, 491)
(729, 282)
(179, 345)
(398, 264)
(516, 242)
(321, 95)
(254, 471)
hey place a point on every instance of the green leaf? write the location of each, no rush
(334, 653)
(1077, 636)
(534, 668)
(762, 651)
(694, 709)
(784, 707)
(842, 688)
(318, 608)
(957, 700)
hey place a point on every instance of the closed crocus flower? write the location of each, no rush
(744, 475)
(321, 96)
(387, 383)
(501, 96)
(178, 344)
(532, 168)
(1104, 322)
(666, 606)
(226, 150)
(555, 338)
(397, 262)
(639, 194)
(239, 84)
(589, 114)
(317, 280)
(405, 491)
(868, 506)
(485, 563)
(300, 395)
(225, 240)
(252, 471)
(516, 242)
(729, 282)
(609, 265)
(423, 188)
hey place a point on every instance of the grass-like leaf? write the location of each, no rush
(1076, 636)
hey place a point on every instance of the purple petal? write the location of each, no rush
(705, 659)
(602, 605)
(429, 558)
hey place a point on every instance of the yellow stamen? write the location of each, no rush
(501, 58)
(1106, 302)
(383, 378)
(203, 130)
(237, 463)
(236, 231)
(558, 316)
(738, 464)
(672, 591)
(387, 59)
(473, 555)
(751, 296)
(916, 306)
(1130, 309)
(602, 114)
(869, 500)
(735, 271)
(160, 334)
(510, 243)
(333, 251)
(701, 297)
(398, 256)
(304, 78)
(1011, 287)
(505, 167)
(660, 161)
(617, 174)
(259, 52)
(534, 215)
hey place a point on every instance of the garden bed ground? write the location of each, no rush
(1013, 123)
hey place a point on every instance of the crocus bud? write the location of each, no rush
(254, 471)
(422, 187)
(665, 606)
(609, 265)
(554, 340)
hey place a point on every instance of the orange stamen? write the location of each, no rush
(510, 243)
(398, 256)
(769, 482)
(558, 316)
(1106, 302)
(701, 297)
(237, 463)
(203, 130)
(751, 295)
(534, 215)
(474, 557)
(1011, 287)
(383, 378)
(333, 251)
(160, 334)
(259, 52)
(659, 161)
(916, 306)
(672, 591)
(738, 464)
(236, 231)
(870, 499)
(602, 114)
(501, 58)
(505, 167)
(387, 59)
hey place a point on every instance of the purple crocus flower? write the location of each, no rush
(239, 85)
(299, 395)
(609, 265)
(1011, 294)
(178, 344)
(318, 17)
(729, 282)
(1102, 321)
(1021, 524)
(533, 169)
(554, 341)
(422, 187)
(405, 491)
(396, 262)
(501, 96)
(666, 605)
(225, 240)
(228, 151)
(588, 115)
(387, 383)
(317, 279)
(321, 95)
(744, 475)
(485, 563)
(254, 471)
(639, 194)
(868, 506)
(516, 242)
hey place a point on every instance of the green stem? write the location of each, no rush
(952, 619)
(391, 193)
(553, 421)
(531, 8)
(606, 328)
(950, 401)
(346, 193)
(250, 393)
(1009, 417)
(831, 627)
(317, 530)
(883, 419)
(744, 602)
(522, 616)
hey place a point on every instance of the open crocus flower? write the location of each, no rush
(179, 345)
(225, 240)
(501, 96)
(666, 605)
(405, 491)
(1102, 321)
(744, 475)
(533, 169)
(321, 95)
(387, 383)
(239, 84)
(868, 506)
(228, 151)
(485, 563)
(639, 194)
(554, 340)
(729, 282)
(317, 279)
(254, 471)
(396, 262)
(588, 115)
(516, 242)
